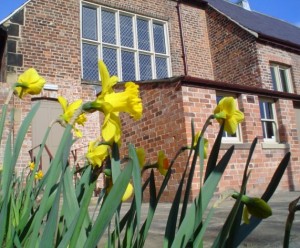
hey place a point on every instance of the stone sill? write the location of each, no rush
(237, 146)
(266, 145)
(246, 146)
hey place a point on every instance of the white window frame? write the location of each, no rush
(275, 138)
(228, 138)
(277, 81)
(120, 48)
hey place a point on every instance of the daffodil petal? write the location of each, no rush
(128, 192)
(230, 126)
(63, 102)
(107, 82)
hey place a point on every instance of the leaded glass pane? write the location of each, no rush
(128, 66)
(161, 67)
(108, 26)
(89, 23)
(283, 78)
(110, 59)
(273, 78)
(143, 34)
(159, 38)
(145, 67)
(90, 62)
(126, 30)
(269, 111)
(262, 111)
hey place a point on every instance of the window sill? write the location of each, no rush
(266, 145)
(237, 146)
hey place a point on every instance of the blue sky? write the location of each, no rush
(288, 10)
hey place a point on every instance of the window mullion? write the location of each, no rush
(136, 48)
(100, 47)
(118, 44)
(152, 52)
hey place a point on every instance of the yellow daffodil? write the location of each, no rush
(226, 111)
(111, 103)
(96, 153)
(205, 143)
(140, 152)
(162, 163)
(38, 175)
(31, 165)
(128, 192)
(111, 128)
(30, 82)
(68, 112)
(106, 80)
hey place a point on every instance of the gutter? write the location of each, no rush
(278, 42)
(236, 88)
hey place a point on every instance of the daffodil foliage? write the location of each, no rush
(51, 207)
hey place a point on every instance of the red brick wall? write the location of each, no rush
(233, 51)
(268, 53)
(162, 127)
(200, 103)
(50, 42)
(153, 132)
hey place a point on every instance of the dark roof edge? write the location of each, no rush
(236, 88)
(278, 42)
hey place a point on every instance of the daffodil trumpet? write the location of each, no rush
(29, 82)
(226, 113)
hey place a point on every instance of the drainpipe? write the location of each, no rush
(182, 39)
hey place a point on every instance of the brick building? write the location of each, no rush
(185, 55)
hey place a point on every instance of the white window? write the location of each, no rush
(133, 47)
(281, 78)
(230, 138)
(268, 120)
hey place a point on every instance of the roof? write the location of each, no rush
(15, 11)
(263, 26)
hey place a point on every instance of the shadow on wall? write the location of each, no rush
(284, 137)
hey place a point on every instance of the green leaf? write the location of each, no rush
(237, 222)
(2, 120)
(212, 160)
(54, 173)
(47, 240)
(115, 162)
(136, 175)
(172, 218)
(82, 213)
(229, 223)
(25, 213)
(186, 228)
(246, 229)
(109, 207)
(293, 208)
(198, 239)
